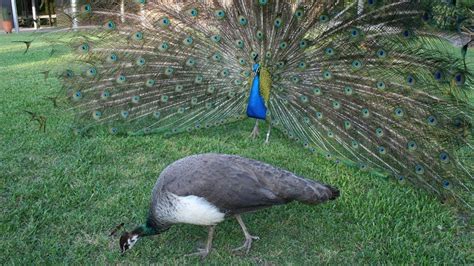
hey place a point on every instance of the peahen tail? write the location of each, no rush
(371, 84)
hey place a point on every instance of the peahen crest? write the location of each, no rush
(371, 85)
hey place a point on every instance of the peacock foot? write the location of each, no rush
(247, 244)
(255, 132)
(202, 252)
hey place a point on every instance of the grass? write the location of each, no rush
(61, 194)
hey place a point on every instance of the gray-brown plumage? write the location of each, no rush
(205, 189)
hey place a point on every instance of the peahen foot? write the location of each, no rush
(255, 132)
(247, 244)
(248, 238)
(203, 252)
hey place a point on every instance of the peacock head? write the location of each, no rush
(128, 240)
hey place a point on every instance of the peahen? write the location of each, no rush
(371, 84)
(204, 189)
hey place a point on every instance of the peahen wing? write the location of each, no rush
(377, 91)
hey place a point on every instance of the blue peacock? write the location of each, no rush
(370, 84)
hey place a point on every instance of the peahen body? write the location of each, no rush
(207, 188)
(370, 84)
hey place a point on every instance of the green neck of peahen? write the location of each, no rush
(145, 230)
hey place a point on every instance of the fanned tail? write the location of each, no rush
(375, 87)
(381, 92)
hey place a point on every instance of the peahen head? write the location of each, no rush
(129, 239)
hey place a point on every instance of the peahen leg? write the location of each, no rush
(255, 131)
(203, 252)
(248, 238)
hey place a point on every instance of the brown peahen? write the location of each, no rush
(205, 189)
(372, 84)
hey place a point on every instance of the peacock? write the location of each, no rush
(205, 189)
(371, 84)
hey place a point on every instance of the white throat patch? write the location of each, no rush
(132, 241)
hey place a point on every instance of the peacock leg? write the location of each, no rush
(203, 252)
(248, 238)
(268, 133)
(255, 131)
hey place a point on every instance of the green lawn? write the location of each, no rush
(62, 194)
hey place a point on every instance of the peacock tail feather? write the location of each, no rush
(373, 87)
